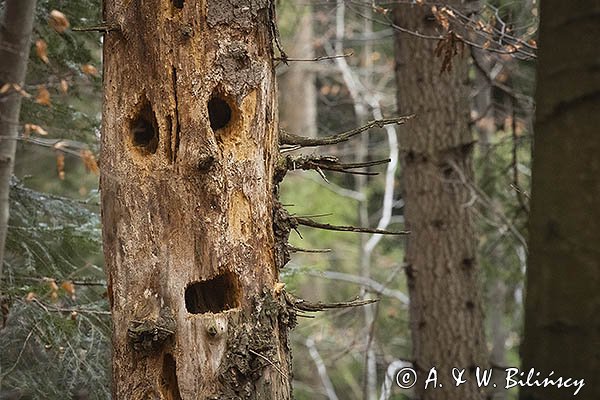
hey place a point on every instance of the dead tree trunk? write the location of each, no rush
(188, 151)
(446, 314)
(15, 38)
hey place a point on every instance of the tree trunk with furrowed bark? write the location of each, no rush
(189, 145)
(446, 314)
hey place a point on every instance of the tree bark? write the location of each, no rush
(15, 39)
(188, 150)
(446, 316)
(562, 322)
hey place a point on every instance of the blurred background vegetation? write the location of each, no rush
(56, 338)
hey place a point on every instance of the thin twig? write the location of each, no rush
(293, 249)
(49, 308)
(368, 283)
(99, 28)
(269, 361)
(343, 228)
(11, 369)
(314, 59)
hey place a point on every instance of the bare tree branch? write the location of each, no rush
(343, 228)
(304, 305)
(293, 249)
(368, 283)
(329, 163)
(321, 369)
(286, 138)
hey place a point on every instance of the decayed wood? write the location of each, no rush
(188, 148)
(441, 265)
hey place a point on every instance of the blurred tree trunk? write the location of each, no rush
(562, 318)
(297, 91)
(188, 148)
(446, 314)
(15, 39)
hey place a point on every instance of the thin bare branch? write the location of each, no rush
(343, 228)
(368, 283)
(99, 28)
(350, 54)
(293, 249)
(329, 163)
(304, 305)
(269, 361)
(286, 138)
(321, 368)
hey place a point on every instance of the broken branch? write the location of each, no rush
(329, 163)
(303, 305)
(300, 250)
(286, 138)
(101, 28)
(350, 54)
(343, 228)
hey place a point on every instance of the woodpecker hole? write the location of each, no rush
(219, 113)
(178, 3)
(170, 387)
(215, 295)
(144, 130)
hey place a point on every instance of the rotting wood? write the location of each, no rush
(189, 145)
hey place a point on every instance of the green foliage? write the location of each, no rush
(55, 343)
(56, 338)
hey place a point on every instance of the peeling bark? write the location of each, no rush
(188, 151)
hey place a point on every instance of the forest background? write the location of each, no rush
(56, 337)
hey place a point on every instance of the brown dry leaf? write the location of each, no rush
(440, 17)
(60, 165)
(28, 128)
(20, 90)
(89, 69)
(58, 21)
(5, 88)
(64, 86)
(53, 285)
(532, 42)
(43, 96)
(30, 296)
(73, 315)
(89, 160)
(69, 287)
(380, 10)
(41, 49)
(448, 12)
